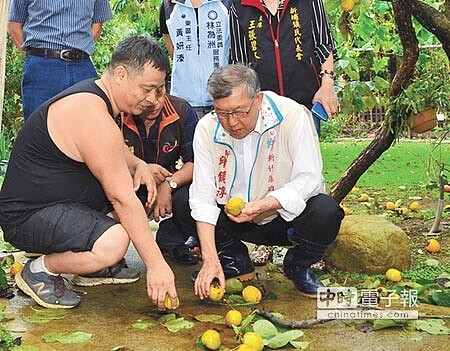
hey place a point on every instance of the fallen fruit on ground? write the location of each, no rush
(393, 275)
(16, 267)
(433, 246)
(253, 339)
(234, 206)
(211, 339)
(345, 209)
(168, 303)
(251, 294)
(390, 206)
(414, 206)
(404, 211)
(245, 347)
(233, 286)
(363, 197)
(233, 317)
(216, 292)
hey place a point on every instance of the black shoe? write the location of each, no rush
(304, 280)
(237, 264)
(119, 273)
(184, 255)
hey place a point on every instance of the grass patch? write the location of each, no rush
(406, 163)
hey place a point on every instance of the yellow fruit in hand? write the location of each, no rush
(347, 5)
(246, 347)
(433, 246)
(233, 317)
(15, 268)
(234, 206)
(390, 206)
(168, 303)
(414, 206)
(216, 292)
(393, 275)
(211, 339)
(363, 197)
(253, 339)
(251, 294)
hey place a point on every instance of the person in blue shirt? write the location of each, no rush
(58, 39)
(197, 36)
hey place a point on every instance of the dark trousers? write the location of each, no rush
(171, 232)
(310, 234)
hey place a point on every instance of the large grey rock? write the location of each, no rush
(369, 244)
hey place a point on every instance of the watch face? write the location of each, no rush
(173, 184)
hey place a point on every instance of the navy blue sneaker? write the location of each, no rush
(47, 290)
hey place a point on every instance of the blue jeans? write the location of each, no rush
(43, 78)
(317, 125)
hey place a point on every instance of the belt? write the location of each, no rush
(65, 55)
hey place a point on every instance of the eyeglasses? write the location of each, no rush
(222, 115)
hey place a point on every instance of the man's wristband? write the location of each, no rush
(327, 73)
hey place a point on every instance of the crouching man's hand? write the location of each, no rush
(161, 282)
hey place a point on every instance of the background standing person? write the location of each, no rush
(162, 136)
(289, 44)
(69, 189)
(58, 38)
(197, 36)
(263, 148)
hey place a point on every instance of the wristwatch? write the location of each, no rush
(172, 183)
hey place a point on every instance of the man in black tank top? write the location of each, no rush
(69, 191)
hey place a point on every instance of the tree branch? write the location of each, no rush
(437, 23)
(290, 324)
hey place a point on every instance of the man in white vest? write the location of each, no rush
(263, 148)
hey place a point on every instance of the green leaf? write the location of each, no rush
(265, 328)
(46, 316)
(211, 318)
(387, 323)
(299, 345)
(432, 326)
(167, 318)
(282, 339)
(142, 325)
(176, 325)
(414, 336)
(72, 338)
(441, 298)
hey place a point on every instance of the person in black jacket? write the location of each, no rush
(162, 136)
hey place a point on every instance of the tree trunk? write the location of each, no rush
(385, 137)
(434, 21)
(4, 7)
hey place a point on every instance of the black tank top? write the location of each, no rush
(40, 175)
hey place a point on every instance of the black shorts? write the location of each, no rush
(60, 228)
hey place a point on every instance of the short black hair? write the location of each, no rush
(135, 52)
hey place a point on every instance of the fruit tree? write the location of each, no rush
(438, 23)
